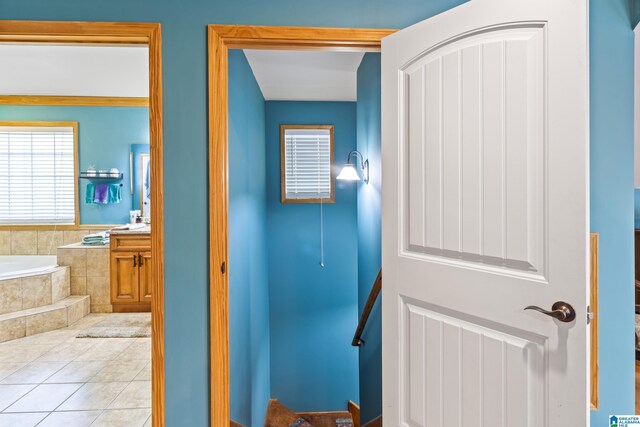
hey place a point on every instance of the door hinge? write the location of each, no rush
(589, 314)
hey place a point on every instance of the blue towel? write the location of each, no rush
(90, 193)
(115, 195)
(101, 194)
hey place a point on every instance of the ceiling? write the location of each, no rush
(290, 75)
(74, 70)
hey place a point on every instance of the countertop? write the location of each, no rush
(143, 230)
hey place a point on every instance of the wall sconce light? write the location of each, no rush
(349, 173)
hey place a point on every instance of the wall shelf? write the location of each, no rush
(103, 177)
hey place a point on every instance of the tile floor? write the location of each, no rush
(54, 379)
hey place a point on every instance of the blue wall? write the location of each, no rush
(185, 164)
(314, 310)
(369, 230)
(612, 199)
(248, 277)
(104, 138)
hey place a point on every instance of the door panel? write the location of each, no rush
(485, 212)
(466, 100)
(124, 277)
(462, 373)
(145, 276)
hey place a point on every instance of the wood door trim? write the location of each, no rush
(124, 33)
(220, 39)
(300, 38)
(75, 101)
(593, 302)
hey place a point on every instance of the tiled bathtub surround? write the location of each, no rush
(39, 303)
(34, 291)
(39, 242)
(89, 269)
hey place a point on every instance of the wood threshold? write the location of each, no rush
(124, 33)
(220, 39)
(74, 101)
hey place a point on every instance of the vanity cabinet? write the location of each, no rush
(130, 272)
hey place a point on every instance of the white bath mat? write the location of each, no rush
(120, 325)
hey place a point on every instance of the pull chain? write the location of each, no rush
(321, 236)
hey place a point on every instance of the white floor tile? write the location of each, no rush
(76, 372)
(34, 373)
(70, 419)
(93, 396)
(45, 397)
(137, 394)
(10, 394)
(21, 420)
(122, 418)
(120, 370)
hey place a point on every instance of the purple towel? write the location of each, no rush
(102, 193)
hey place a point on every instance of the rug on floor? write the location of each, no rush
(120, 325)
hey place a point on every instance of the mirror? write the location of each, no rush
(140, 171)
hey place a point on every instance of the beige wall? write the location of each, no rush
(90, 275)
(39, 242)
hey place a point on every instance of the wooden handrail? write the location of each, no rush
(371, 300)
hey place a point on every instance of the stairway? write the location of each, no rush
(279, 415)
(39, 303)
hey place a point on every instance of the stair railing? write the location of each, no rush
(371, 300)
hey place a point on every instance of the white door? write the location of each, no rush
(485, 212)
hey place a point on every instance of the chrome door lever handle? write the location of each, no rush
(560, 310)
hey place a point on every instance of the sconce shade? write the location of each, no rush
(348, 173)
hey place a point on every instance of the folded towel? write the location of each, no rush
(96, 239)
(101, 194)
(114, 193)
(95, 243)
(90, 193)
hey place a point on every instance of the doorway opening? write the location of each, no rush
(221, 39)
(94, 136)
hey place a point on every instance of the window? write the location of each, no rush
(38, 173)
(306, 156)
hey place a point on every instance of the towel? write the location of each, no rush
(101, 194)
(96, 239)
(114, 193)
(90, 194)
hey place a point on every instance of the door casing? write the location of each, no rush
(221, 38)
(122, 33)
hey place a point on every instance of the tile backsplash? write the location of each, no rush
(39, 242)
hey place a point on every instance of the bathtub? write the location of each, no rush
(25, 265)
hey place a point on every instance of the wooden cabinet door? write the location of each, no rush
(124, 277)
(145, 276)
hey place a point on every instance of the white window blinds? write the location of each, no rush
(307, 163)
(37, 175)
